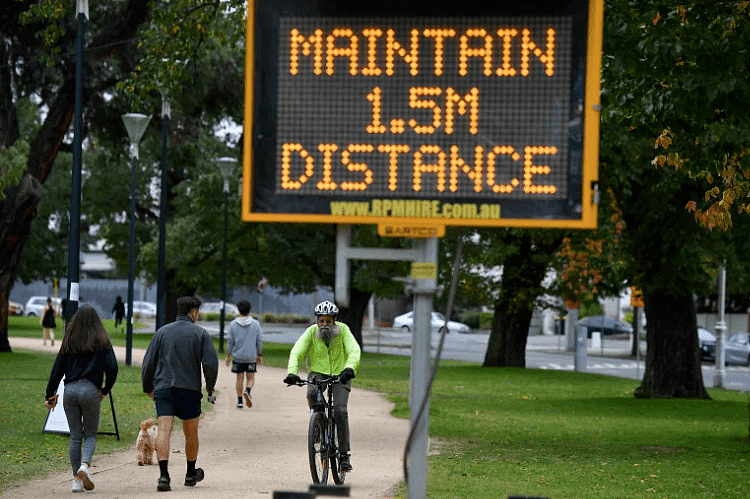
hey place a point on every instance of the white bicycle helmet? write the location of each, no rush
(326, 308)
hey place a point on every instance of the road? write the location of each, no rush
(612, 358)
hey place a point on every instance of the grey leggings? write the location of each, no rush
(81, 404)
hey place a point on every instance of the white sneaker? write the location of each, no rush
(77, 485)
(85, 476)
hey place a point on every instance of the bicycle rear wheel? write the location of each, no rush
(333, 456)
(317, 448)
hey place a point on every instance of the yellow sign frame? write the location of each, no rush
(591, 111)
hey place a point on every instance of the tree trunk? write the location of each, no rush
(673, 364)
(172, 293)
(354, 315)
(507, 343)
(523, 273)
(4, 341)
(9, 134)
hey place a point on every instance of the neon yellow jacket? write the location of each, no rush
(343, 351)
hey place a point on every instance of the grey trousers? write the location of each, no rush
(340, 411)
(81, 404)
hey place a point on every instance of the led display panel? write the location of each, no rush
(473, 115)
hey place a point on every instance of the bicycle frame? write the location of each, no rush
(323, 432)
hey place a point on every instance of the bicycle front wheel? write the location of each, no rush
(317, 447)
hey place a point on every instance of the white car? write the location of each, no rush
(405, 323)
(36, 304)
(142, 308)
(214, 307)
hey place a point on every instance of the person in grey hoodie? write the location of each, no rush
(245, 344)
(171, 377)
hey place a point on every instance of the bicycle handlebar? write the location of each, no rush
(323, 381)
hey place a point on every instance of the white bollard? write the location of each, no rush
(596, 340)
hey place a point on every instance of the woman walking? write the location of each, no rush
(87, 361)
(48, 322)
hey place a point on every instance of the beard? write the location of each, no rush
(326, 333)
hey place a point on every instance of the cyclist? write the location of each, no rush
(332, 350)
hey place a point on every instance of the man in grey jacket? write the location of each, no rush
(245, 344)
(171, 377)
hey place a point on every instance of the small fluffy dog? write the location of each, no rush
(146, 443)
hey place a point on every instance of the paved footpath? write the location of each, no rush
(247, 453)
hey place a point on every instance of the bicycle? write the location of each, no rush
(322, 438)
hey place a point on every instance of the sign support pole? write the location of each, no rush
(416, 460)
(423, 284)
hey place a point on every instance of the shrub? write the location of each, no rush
(471, 319)
(477, 320)
(285, 318)
(213, 317)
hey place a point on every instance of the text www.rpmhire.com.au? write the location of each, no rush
(414, 208)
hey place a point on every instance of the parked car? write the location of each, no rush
(36, 304)
(15, 308)
(405, 322)
(737, 349)
(706, 343)
(214, 307)
(604, 325)
(142, 309)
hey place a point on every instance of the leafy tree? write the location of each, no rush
(673, 76)
(53, 85)
(37, 58)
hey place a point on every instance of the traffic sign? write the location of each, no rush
(471, 114)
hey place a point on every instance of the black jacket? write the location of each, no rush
(93, 366)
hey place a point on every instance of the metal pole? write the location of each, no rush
(131, 268)
(162, 272)
(637, 339)
(721, 328)
(74, 241)
(420, 374)
(223, 269)
(135, 124)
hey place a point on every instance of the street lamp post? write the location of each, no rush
(135, 124)
(74, 240)
(162, 273)
(226, 166)
(721, 328)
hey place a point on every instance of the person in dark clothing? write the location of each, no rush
(48, 322)
(88, 363)
(171, 377)
(119, 311)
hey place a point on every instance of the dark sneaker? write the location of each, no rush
(163, 484)
(191, 480)
(344, 463)
(248, 398)
(239, 404)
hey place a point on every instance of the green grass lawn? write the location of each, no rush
(498, 432)
(28, 327)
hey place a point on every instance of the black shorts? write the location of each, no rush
(240, 367)
(185, 404)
